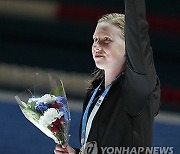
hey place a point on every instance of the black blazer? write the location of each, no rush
(125, 118)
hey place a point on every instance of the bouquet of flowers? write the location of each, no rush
(48, 111)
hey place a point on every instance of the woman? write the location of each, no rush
(124, 97)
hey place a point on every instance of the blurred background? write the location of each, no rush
(55, 36)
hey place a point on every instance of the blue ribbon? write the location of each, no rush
(85, 115)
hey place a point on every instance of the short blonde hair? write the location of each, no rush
(116, 19)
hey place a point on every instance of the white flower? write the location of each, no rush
(33, 100)
(47, 99)
(50, 116)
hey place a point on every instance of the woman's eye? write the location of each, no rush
(95, 40)
(104, 40)
(107, 40)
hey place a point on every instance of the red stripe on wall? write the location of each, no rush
(90, 14)
(170, 95)
(164, 23)
(83, 13)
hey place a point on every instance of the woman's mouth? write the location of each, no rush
(99, 56)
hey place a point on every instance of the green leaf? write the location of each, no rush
(31, 106)
(57, 91)
(31, 114)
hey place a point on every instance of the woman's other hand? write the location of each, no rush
(64, 149)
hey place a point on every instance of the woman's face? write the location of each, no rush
(108, 48)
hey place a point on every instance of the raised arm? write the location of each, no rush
(138, 50)
(141, 84)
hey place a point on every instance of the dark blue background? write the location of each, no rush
(19, 136)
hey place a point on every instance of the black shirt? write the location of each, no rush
(126, 116)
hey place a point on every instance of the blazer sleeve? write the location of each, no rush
(140, 74)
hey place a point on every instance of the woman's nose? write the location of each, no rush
(97, 46)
